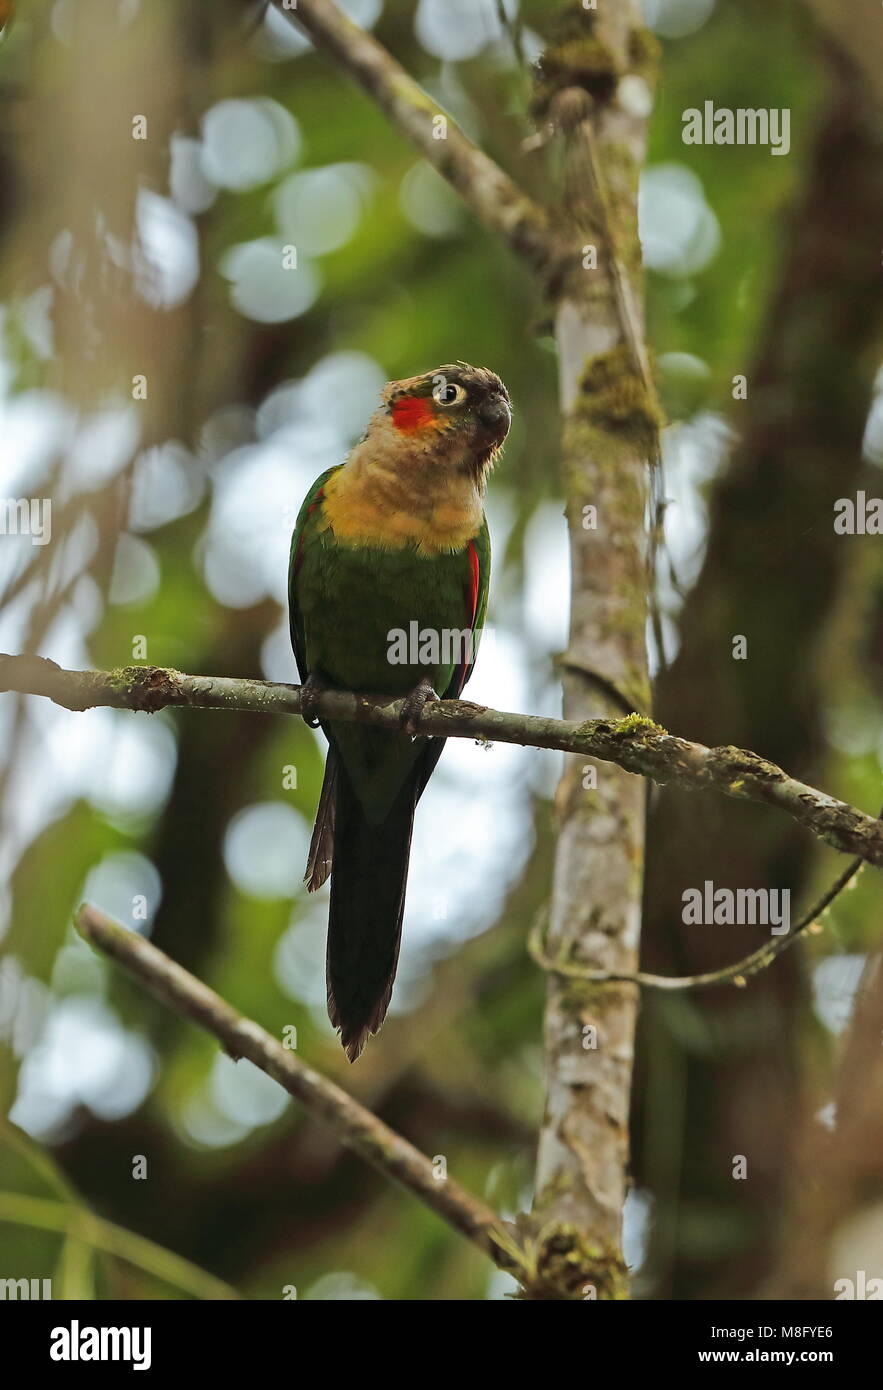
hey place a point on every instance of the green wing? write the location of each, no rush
(312, 500)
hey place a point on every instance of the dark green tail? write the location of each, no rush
(368, 880)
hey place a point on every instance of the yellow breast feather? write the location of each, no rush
(362, 512)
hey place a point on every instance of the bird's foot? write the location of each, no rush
(310, 691)
(414, 703)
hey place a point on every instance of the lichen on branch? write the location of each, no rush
(635, 743)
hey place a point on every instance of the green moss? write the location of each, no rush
(597, 459)
(122, 678)
(569, 1268)
(579, 997)
(645, 52)
(613, 396)
(639, 723)
(146, 688)
(580, 62)
(574, 57)
(561, 1184)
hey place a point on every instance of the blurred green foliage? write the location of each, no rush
(265, 1204)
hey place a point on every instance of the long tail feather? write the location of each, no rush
(367, 904)
(321, 853)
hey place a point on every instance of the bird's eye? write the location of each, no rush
(447, 393)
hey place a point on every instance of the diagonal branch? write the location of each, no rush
(491, 195)
(635, 743)
(75, 1222)
(355, 1126)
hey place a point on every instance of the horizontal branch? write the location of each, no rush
(355, 1126)
(491, 195)
(634, 743)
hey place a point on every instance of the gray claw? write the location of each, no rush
(414, 704)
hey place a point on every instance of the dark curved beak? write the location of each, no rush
(495, 416)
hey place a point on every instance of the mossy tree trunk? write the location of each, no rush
(595, 87)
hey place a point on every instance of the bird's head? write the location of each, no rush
(458, 412)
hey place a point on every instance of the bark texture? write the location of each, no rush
(609, 437)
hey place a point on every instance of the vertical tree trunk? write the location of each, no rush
(610, 431)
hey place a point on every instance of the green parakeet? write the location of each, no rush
(388, 585)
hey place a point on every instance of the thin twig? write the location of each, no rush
(355, 1126)
(634, 743)
(515, 29)
(738, 974)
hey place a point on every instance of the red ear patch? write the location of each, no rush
(412, 413)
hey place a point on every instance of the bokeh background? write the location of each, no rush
(174, 388)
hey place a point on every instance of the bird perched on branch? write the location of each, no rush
(388, 584)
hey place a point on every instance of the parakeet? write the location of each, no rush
(388, 586)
